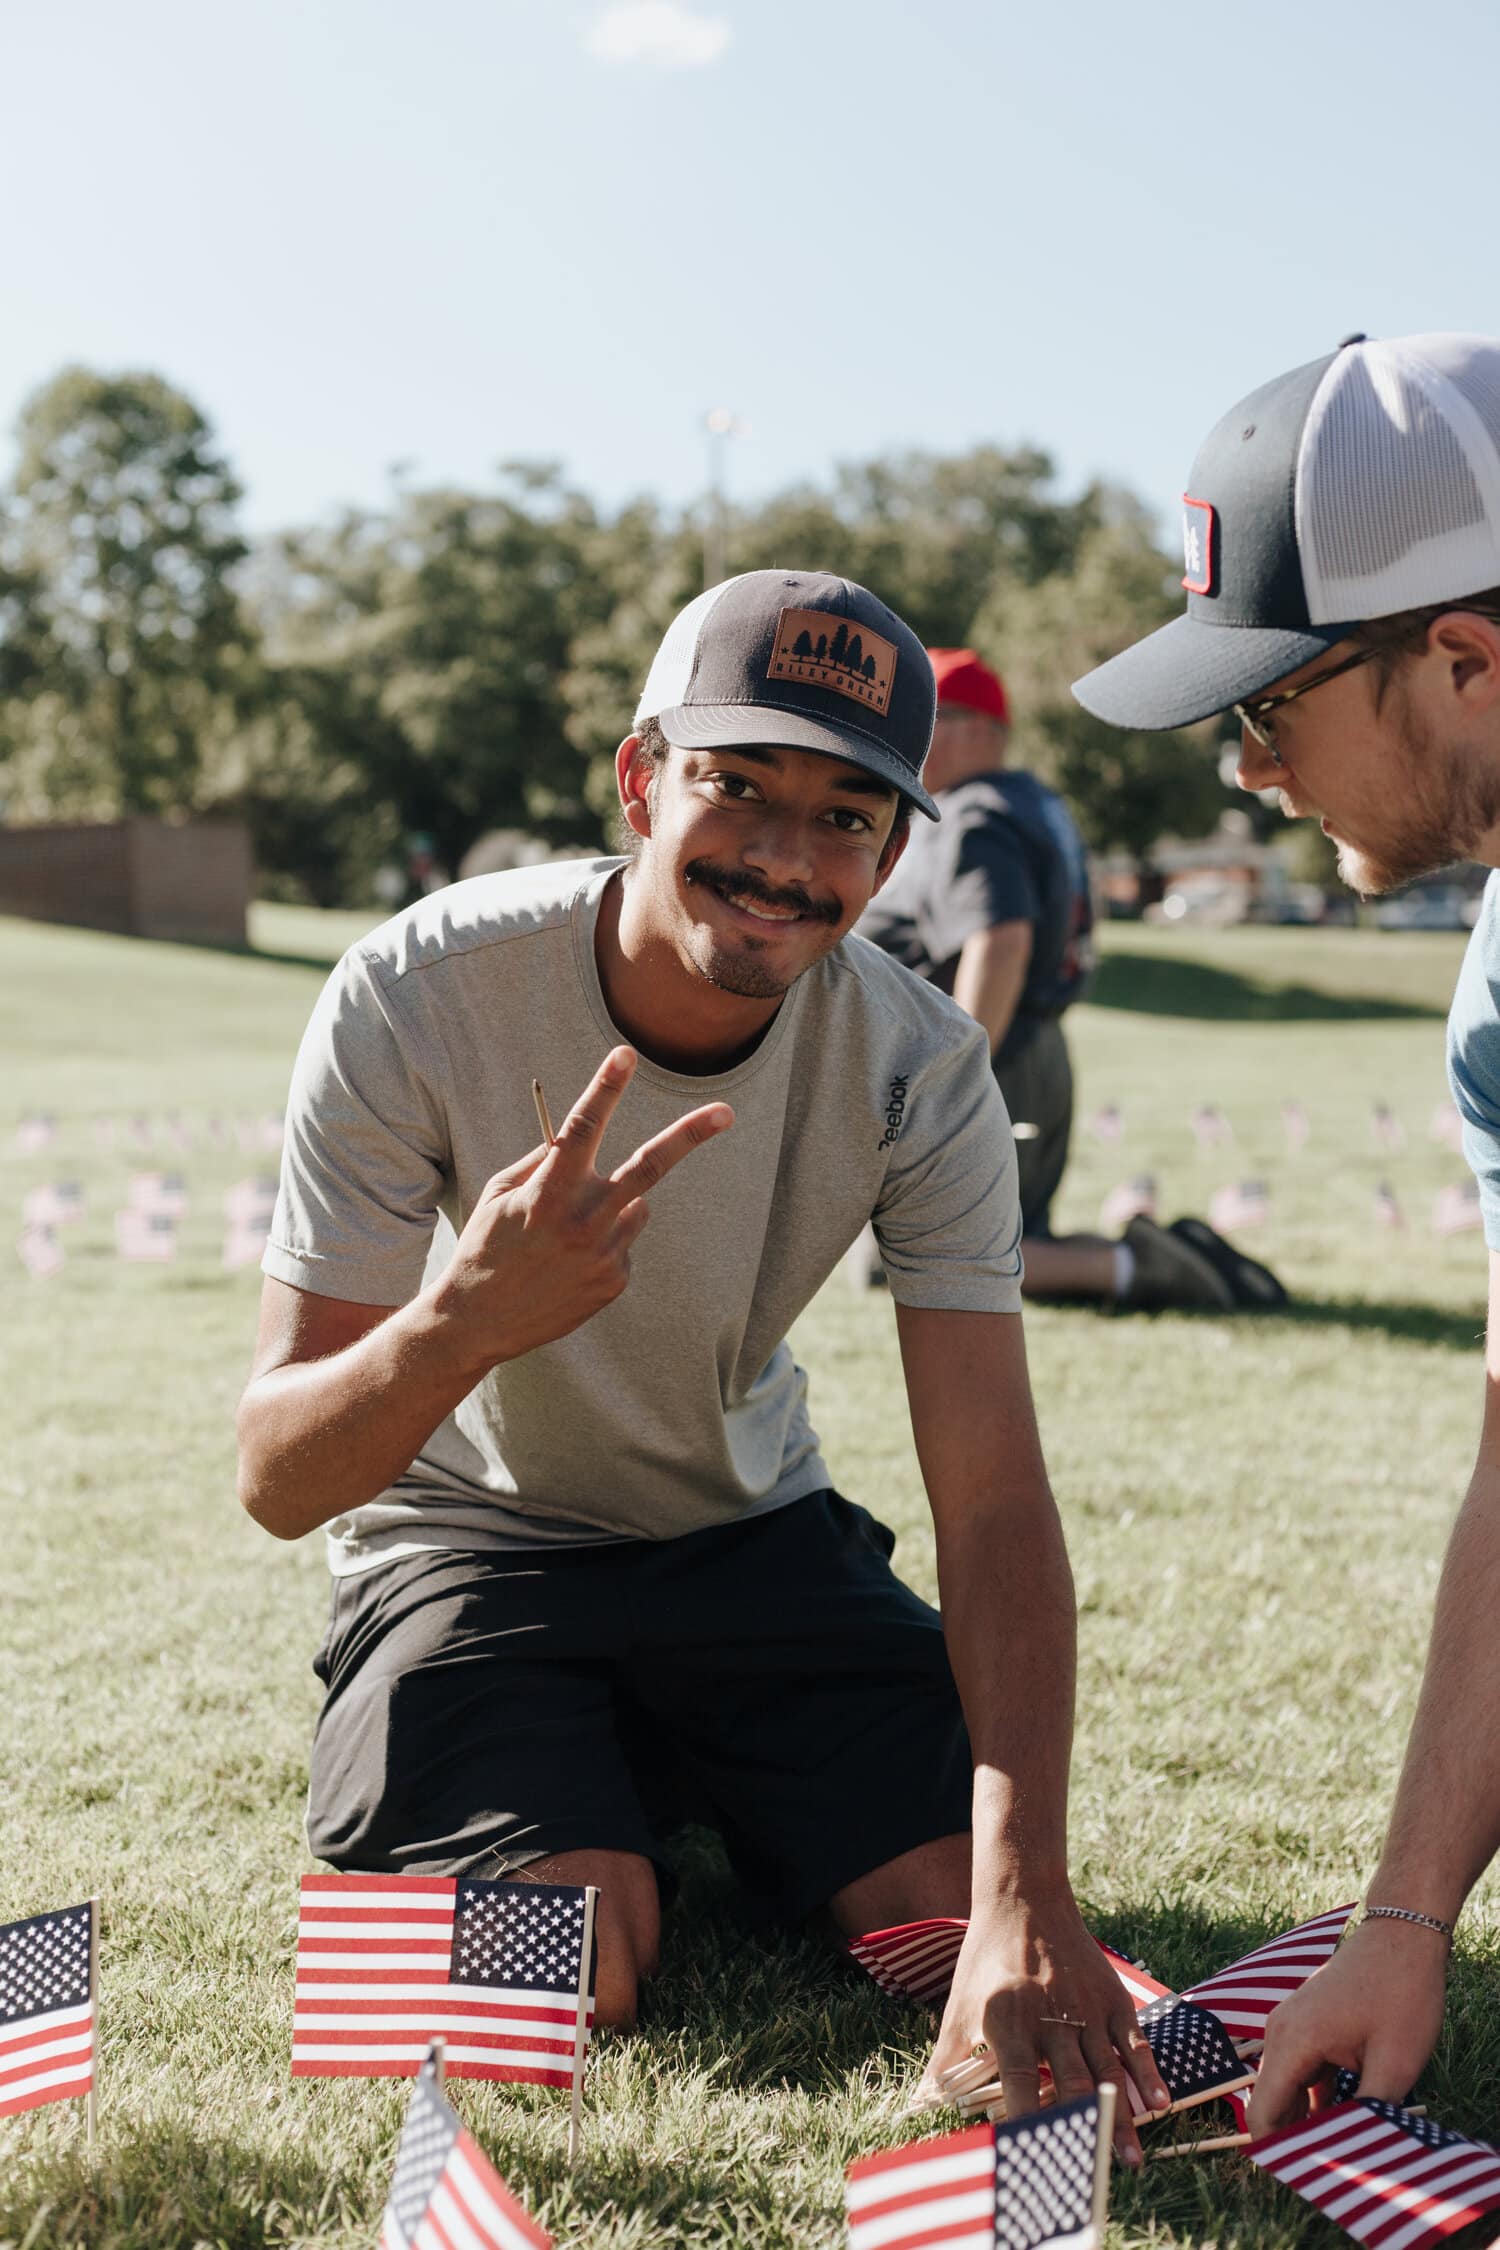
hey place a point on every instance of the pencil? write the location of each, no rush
(541, 1112)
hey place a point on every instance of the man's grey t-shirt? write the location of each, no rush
(1474, 1057)
(680, 1405)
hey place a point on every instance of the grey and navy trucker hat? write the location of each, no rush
(1362, 484)
(805, 662)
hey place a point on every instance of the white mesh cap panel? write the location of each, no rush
(672, 666)
(1398, 478)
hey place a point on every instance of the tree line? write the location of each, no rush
(463, 661)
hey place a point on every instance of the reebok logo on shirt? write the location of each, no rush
(895, 1112)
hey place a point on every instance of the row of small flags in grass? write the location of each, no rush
(40, 1131)
(1247, 1203)
(1211, 1127)
(430, 1977)
(147, 1226)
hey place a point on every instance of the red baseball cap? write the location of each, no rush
(965, 679)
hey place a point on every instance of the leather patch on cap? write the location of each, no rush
(829, 652)
(1199, 532)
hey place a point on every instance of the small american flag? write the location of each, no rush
(1391, 2180)
(916, 1961)
(1456, 1209)
(1387, 1209)
(1193, 2052)
(138, 1132)
(1386, 1127)
(250, 1201)
(1132, 1199)
(1211, 1128)
(1021, 2186)
(163, 1192)
(1246, 1204)
(445, 2193)
(177, 1132)
(40, 1252)
(1107, 1125)
(1296, 1125)
(503, 1972)
(1243, 1995)
(104, 1132)
(146, 1237)
(55, 1205)
(47, 2008)
(37, 1131)
(1447, 1127)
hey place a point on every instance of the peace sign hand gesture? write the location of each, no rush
(547, 1244)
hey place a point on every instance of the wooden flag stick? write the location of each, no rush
(542, 1117)
(1198, 2148)
(1102, 2153)
(581, 2024)
(91, 2105)
(439, 2053)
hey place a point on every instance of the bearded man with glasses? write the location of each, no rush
(1342, 539)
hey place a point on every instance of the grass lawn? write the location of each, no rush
(1256, 1511)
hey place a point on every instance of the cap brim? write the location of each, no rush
(1191, 669)
(694, 726)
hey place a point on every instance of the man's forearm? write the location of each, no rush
(1445, 1828)
(320, 1436)
(1011, 1627)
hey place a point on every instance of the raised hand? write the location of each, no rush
(548, 1242)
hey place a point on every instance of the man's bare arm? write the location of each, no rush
(342, 1396)
(991, 976)
(1378, 2006)
(1009, 1621)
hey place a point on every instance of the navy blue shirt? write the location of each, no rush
(1005, 850)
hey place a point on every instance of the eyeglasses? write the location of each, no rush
(1256, 717)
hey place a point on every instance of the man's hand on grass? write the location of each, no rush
(1377, 2008)
(548, 1242)
(1032, 1984)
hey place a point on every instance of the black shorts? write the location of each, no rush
(771, 1678)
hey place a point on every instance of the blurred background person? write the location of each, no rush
(992, 905)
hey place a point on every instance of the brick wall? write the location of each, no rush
(143, 878)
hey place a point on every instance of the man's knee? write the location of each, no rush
(627, 1926)
(931, 1881)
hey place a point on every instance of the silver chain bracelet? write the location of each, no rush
(1405, 1914)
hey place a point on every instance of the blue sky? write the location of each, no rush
(362, 233)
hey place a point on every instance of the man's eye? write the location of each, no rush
(736, 785)
(853, 823)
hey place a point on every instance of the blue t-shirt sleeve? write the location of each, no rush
(991, 881)
(1474, 1057)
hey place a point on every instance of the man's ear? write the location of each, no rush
(1469, 645)
(633, 775)
(890, 851)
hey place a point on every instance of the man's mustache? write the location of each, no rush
(737, 886)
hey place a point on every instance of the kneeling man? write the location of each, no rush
(589, 1573)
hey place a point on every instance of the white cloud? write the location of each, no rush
(664, 32)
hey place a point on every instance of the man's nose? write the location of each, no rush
(780, 848)
(1257, 768)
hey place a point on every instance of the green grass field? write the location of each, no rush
(1256, 1512)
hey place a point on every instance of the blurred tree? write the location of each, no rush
(1125, 789)
(119, 541)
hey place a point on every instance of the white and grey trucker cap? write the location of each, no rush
(1362, 484)
(797, 660)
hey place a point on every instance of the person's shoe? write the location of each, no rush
(1255, 1287)
(1170, 1272)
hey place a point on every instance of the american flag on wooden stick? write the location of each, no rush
(1455, 1210)
(1193, 2052)
(1042, 2181)
(1132, 1199)
(1243, 1995)
(503, 1972)
(916, 1961)
(1246, 1204)
(445, 2194)
(1296, 1124)
(48, 1984)
(1390, 2179)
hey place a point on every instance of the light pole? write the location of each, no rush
(721, 425)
